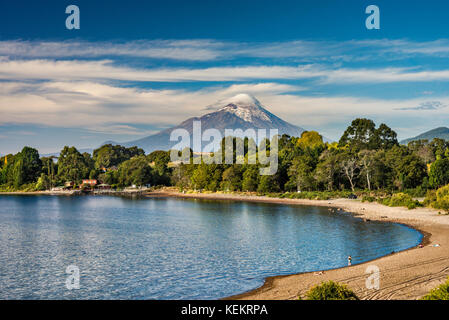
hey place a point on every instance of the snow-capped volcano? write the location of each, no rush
(245, 107)
(242, 111)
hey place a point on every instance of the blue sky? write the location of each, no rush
(136, 67)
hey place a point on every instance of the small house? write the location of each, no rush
(69, 184)
(89, 182)
(104, 186)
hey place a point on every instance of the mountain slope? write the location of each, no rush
(239, 112)
(441, 133)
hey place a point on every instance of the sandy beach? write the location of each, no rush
(404, 275)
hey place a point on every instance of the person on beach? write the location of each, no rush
(349, 260)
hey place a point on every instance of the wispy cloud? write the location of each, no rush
(428, 105)
(81, 84)
(106, 108)
(209, 49)
(106, 70)
(98, 107)
(195, 50)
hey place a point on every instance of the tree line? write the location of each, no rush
(366, 157)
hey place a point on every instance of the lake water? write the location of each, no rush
(174, 249)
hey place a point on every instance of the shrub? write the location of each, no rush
(439, 293)
(431, 197)
(331, 291)
(438, 199)
(417, 192)
(400, 200)
(368, 199)
(317, 195)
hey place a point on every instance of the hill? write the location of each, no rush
(441, 133)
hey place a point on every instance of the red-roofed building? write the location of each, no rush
(89, 182)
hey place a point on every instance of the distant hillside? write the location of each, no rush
(441, 133)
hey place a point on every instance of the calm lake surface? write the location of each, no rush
(174, 249)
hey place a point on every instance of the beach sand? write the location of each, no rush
(404, 275)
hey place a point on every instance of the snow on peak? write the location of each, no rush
(243, 99)
(244, 106)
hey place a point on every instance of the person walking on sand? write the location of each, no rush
(349, 260)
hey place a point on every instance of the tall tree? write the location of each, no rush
(72, 165)
(349, 166)
(384, 138)
(250, 178)
(367, 159)
(31, 165)
(326, 170)
(359, 135)
(439, 173)
(301, 173)
(110, 155)
(136, 170)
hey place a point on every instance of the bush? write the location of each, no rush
(439, 293)
(431, 197)
(400, 200)
(368, 199)
(417, 192)
(317, 195)
(438, 199)
(331, 291)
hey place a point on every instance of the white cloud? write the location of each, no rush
(208, 49)
(98, 106)
(195, 50)
(67, 70)
(105, 108)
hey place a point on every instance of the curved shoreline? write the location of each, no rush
(407, 274)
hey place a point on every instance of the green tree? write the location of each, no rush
(250, 178)
(359, 135)
(411, 171)
(268, 183)
(160, 160)
(384, 138)
(18, 177)
(367, 164)
(439, 173)
(30, 165)
(200, 177)
(159, 156)
(349, 165)
(50, 170)
(310, 139)
(215, 173)
(181, 176)
(327, 169)
(362, 134)
(232, 178)
(301, 173)
(136, 170)
(72, 165)
(110, 155)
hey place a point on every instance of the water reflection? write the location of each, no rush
(134, 248)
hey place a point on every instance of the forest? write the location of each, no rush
(367, 162)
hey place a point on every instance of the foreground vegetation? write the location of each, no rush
(440, 293)
(331, 291)
(367, 162)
